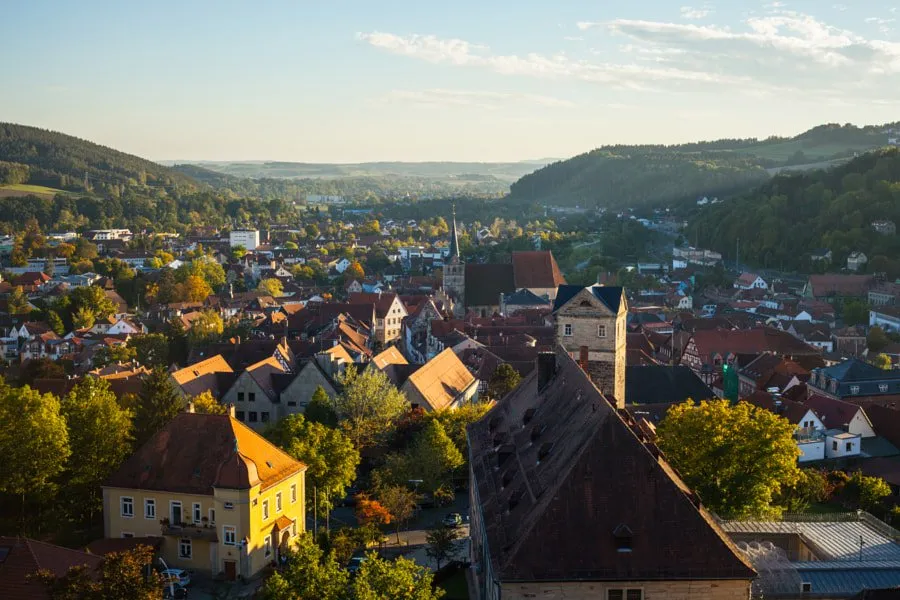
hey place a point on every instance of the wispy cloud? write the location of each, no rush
(882, 23)
(840, 7)
(689, 12)
(474, 98)
(573, 38)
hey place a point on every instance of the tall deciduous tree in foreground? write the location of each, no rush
(369, 406)
(737, 457)
(401, 579)
(34, 443)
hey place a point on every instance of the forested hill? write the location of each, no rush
(52, 159)
(631, 176)
(787, 218)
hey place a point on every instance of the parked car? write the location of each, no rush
(174, 591)
(355, 563)
(179, 576)
(452, 520)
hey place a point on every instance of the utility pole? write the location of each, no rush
(737, 259)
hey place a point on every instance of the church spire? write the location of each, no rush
(454, 239)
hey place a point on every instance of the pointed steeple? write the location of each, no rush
(454, 239)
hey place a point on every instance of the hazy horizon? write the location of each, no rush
(471, 82)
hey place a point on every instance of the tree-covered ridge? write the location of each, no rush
(629, 176)
(60, 161)
(787, 218)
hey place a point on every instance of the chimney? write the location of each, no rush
(231, 410)
(546, 365)
(190, 407)
(237, 340)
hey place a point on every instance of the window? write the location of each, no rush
(265, 510)
(854, 389)
(239, 415)
(240, 396)
(849, 446)
(184, 548)
(127, 534)
(264, 417)
(252, 416)
(601, 331)
(805, 586)
(228, 534)
(149, 508)
(278, 502)
(198, 512)
(268, 545)
(228, 506)
(625, 594)
(834, 446)
(567, 330)
(212, 516)
(294, 529)
(882, 387)
(293, 493)
(251, 397)
(127, 504)
(175, 512)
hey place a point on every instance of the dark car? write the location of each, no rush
(175, 591)
(452, 520)
(355, 564)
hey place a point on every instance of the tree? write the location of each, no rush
(178, 342)
(151, 350)
(371, 511)
(402, 579)
(855, 312)
(434, 457)
(456, 421)
(158, 403)
(271, 287)
(368, 406)
(882, 361)
(205, 403)
(123, 576)
(291, 245)
(877, 340)
(93, 299)
(99, 437)
(17, 302)
(810, 488)
(238, 252)
(56, 323)
(354, 271)
(321, 408)
(737, 457)
(503, 381)
(329, 455)
(34, 443)
(308, 573)
(193, 289)
(866, 492)
(40, 368)
(120, 353)
(207, 328)
(400, 501)
(204, 267)
(83, 318)
(441, 544)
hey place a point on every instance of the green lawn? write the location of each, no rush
(31, 189)
(455, 587)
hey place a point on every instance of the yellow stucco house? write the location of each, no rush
(223, 499)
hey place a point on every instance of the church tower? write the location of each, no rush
(455, 270)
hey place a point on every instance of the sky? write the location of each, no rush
(487, 80)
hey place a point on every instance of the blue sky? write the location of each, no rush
(346, 81)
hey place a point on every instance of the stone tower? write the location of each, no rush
(455, 270)
(590, 326)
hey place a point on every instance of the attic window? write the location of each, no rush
(584, 303)
(623, 536)
(545, 451)
(536, 432)
(882, 387)
(528, 416)
(805, 587)
(854, 389)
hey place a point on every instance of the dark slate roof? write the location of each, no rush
(485, 283)
(524, 297)
(653, 384)
(611, 296)
(857, 370)
(557, 471)
(857, 373)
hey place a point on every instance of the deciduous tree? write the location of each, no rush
(205, 403)
(371, 511)
(271, 286)
(368, 406)
(207, 328)
(308, 573)
(123, 576)
(151, 350)
(503, 381)
(17, 302)
(737, 457)
(400, 501)
(441, 544)
(401, 579)
(321, 408)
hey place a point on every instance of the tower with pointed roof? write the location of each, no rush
(455, 269)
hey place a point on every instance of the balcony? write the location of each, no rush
(198, 531)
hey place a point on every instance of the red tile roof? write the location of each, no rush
(194, 453)
(22, 557)
(840, 285)
(749, 341)
(536, 269)
(834, 413)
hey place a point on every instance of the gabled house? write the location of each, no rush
(296, 394)
(22, 558)
(389, 314)
(442, 383)
(750, 281)
(566, 502)
(225, 500)
(857, 382)
(213, 374)
(256, 392)
(856, 261)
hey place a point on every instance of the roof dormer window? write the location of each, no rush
(623, 536)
